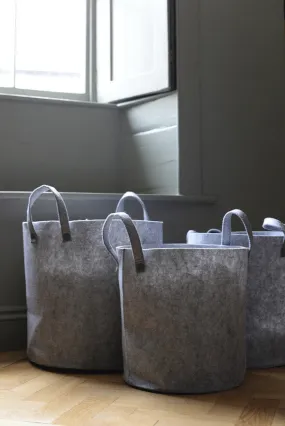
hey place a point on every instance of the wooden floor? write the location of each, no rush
(30, 397)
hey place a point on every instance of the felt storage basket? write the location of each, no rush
(72, 288)
(183, 312)
(265, 292)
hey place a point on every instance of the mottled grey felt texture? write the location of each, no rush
(183, 314)
(184, 318)
(72, 292)
(265, 295)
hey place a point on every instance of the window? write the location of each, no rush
(91, 50)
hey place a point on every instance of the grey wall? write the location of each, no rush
(231, 129)
(73, 147)
(150, 146)
(242, 92)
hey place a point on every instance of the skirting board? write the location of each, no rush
(13, 328)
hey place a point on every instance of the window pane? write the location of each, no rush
(7, 26)
(51, 45)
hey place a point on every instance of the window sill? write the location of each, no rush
(76, 103)
(54, 101)
(145, 100)
(191, 199)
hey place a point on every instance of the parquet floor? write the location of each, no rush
(31, 397)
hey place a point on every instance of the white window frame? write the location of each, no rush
(111, 89)
(90, 95)
(85, 97)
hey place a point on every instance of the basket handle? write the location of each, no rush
(227, 227)
(61, 211)
(271, 224)
(214, 231)
(133, 236)
(211, 231)
(133, 196)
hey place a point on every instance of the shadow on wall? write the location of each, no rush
(69, 145)
(131, 170)
(149, 160)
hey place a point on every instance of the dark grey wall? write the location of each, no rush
(242, 86)
(150, 146)
(73, 147)
(231, 129)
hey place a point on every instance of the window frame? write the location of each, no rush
(90, 95)
(172, 56)
(81, 97)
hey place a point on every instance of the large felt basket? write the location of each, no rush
(265, 292)
(183, 313)
(72, 288)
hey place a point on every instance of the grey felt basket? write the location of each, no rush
(265, 293)
(72, 288)
(183, 312)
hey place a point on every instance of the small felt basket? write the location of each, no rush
(72, 289)
(183, 311)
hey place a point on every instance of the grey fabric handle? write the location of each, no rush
(61, 210)
(227, 227)
(133, 236)
(132, 196)
(214, 231)
(211, 231)
(271, 224)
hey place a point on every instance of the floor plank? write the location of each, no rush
(33, 397)
(259, 412)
